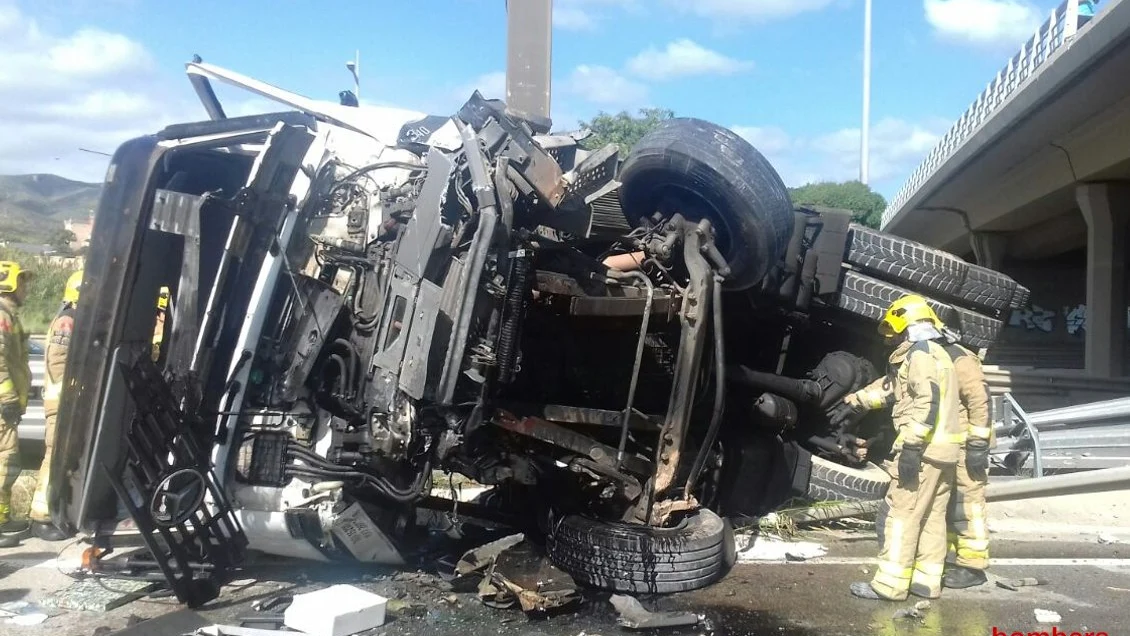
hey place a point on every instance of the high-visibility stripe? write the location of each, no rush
(894, 569)
(873, 400)
(972, 544)
(7, 386)
(919, 430)
(52, 390)
(930, 569)
(894, 539)
(980, 432)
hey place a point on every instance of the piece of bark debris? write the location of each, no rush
(922, 606)
(1015, 584)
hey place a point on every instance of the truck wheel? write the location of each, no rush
(835, 482)
(869, 297)
(929, 270)
(703, 170)
(640, 559)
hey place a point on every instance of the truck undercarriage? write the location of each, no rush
(627, 349)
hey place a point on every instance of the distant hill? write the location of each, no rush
(32, 206)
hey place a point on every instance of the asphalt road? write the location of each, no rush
(1088, 585)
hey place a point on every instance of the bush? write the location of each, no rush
(46, 292)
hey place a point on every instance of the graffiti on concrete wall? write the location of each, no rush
(1036, 318)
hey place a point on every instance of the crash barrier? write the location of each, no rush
(1050, 39)
(1091, 481)
(1084, 437)
(1041, 389)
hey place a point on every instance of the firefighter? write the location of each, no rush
(967, 531)
(58, 343)
(15, 385)
(924, 396)
(159, 328)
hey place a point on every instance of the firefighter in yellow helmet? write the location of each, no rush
(924, 395)
(58, 345)
(966, 519)
(159, 328)
(15, 385)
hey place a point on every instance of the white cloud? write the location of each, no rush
(984, 22)
(586, 15)
(683, 58)
(492, 85)
(86, 89)
(604, 87)
(897, 146)
(749, 10)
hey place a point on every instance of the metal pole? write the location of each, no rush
(865, 131)
(357, 74)
(529, 44)
(1089, 481)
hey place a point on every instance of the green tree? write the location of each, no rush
(623, 128)
(61, 240)
(866, 205)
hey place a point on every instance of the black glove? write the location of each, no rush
(910, 460)
(846, 413)
(977, 459)
(11, 412)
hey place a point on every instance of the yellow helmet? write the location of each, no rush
(906, 311)
(70, 292)
(163, 298)
(10, 276)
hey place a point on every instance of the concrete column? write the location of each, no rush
(989, 248)
(1106, 208)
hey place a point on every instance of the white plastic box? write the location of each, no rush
(338, 610)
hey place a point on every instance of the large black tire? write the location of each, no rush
(929, 270)
(640, 559)
(703, 170)
(869, 297)
(830, 481)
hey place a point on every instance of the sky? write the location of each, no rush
(785, 74)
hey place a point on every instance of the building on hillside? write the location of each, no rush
(81, 230)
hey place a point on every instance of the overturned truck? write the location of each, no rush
(629, 350)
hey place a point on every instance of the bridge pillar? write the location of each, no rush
(989, 248)
(1106, 208)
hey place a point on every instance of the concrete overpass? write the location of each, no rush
(1039, 167)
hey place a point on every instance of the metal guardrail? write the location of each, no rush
(1085, 437)
(1056, 32)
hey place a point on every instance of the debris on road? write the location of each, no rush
(1047, 616)
(231, 630)
(338, 610)
(922, 606)
(22, 613)
(520, 573)
(99, 594)
(1106, 539)
(266, 604)
(482, 557)
(1014, 584)
(634, 616)
(762, 548)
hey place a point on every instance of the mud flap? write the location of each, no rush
(170, 490)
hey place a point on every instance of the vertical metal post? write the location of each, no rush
(529, 44)
(865, 129)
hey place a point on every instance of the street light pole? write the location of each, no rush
(354, 67)
(865, 130)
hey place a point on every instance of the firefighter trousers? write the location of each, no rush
(912, 542)
(9, 465)
(968, 533)
(39, 510)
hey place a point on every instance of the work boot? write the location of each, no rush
(958, 577)
(9, 540)
(864, 590)
(47, 531)
(11, 531)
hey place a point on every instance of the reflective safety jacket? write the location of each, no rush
(15, 372)
(973, 392)
(922, 387)
(58, 344)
